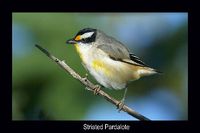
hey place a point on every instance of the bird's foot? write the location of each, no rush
(120, 105)
(96, 89)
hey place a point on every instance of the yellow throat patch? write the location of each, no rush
(78, 50)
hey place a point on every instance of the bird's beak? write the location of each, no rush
(71, 41)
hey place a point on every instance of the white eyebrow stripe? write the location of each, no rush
(87, 35)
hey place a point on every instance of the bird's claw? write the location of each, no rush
(96, 89)
(120, 105)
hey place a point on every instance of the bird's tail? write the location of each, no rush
(146, 71)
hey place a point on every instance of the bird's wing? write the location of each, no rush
(136, 59)
(119, 52)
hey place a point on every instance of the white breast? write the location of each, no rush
(90, 53)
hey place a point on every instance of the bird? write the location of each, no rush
(108, 60)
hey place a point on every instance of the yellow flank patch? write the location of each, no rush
(99, 65)
(78, 38)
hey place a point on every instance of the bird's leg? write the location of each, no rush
(121, 103)
(97, 89)
(86, 75)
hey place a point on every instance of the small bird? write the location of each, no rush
(108, 60)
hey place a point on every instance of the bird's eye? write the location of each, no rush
(83, 39)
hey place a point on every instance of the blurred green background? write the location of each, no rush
(43, 91)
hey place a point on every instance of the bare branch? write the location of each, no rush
(91, 86)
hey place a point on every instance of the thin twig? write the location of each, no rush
(91, 86)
